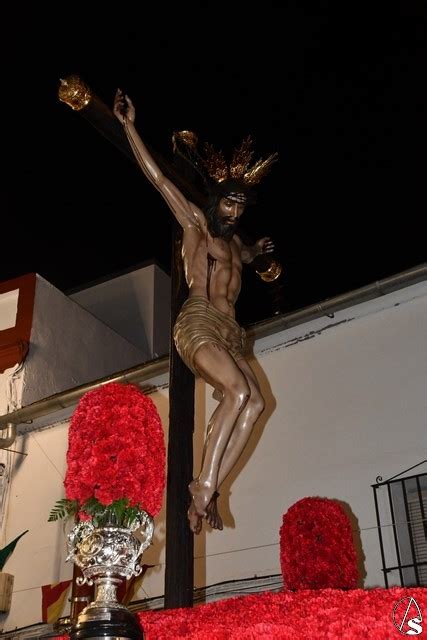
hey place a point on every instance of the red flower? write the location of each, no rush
(316, 546)
(329, 614)
(116, 449)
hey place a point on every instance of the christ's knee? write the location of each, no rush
(256, 404)
(237, 394)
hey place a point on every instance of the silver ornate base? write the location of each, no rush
(106, 623)
(105, 617)
(107, 556)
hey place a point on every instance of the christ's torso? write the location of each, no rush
(212, 267)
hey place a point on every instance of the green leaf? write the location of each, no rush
(118, 513)
(131, 515)
(7, 550)
(63, 508)
(94, 509)
(118, 509)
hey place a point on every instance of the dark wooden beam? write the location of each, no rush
(179, 570)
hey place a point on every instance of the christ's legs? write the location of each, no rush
(219, 369)
(238, 439)
(244, 425)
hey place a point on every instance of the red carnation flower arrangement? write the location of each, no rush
(115, 458)
(316, 546)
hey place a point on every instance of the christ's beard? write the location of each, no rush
(219, 229)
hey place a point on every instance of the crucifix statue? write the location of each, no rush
(206, 333)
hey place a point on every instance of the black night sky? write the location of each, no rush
(338, 89)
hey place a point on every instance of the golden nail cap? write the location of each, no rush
(74, 92)
(187, 137)
(272, 273)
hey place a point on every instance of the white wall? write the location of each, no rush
(69, 346)
(136, 305)
(162, 313)
(346, 401)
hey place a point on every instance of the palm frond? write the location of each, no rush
(7, 550)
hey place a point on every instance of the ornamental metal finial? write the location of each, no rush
(74, 92)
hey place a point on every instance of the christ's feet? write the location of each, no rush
(201, 495)
(194, 519)
(203, 505)
(212, 514)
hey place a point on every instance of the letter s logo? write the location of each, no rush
(416, 628)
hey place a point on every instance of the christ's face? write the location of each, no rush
(223, 220)
(228, 212)
(226, 218)
(230, 209)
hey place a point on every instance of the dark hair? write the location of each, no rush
(218, 190)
